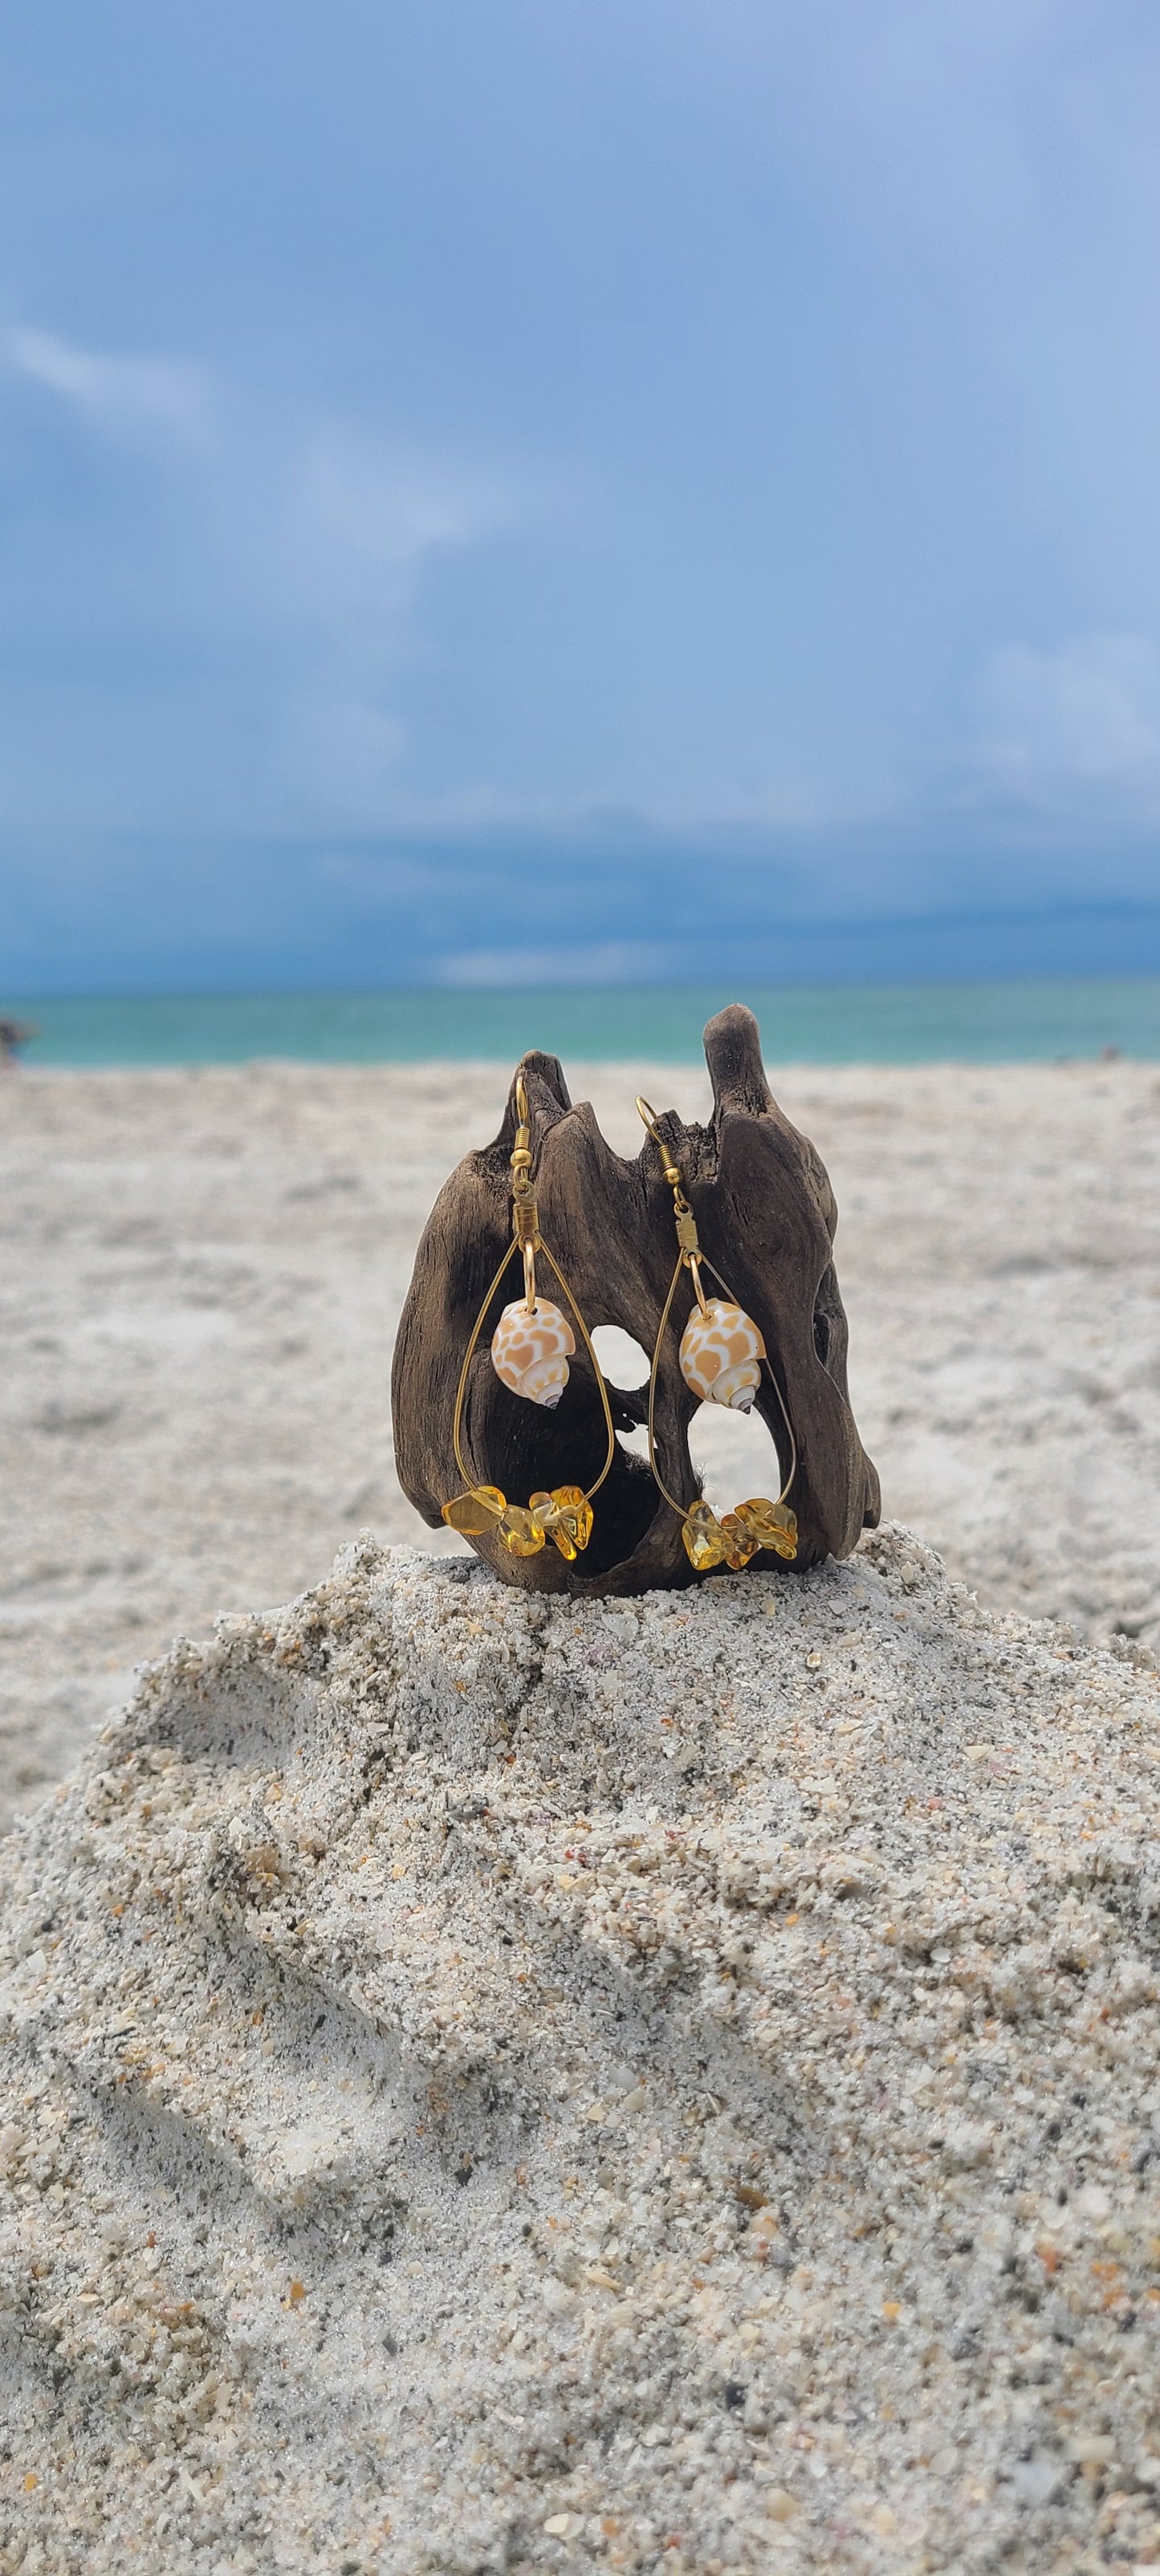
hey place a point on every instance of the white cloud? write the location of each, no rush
(612, 961)
(123, 396)
(388, 511)
(348, 524)
(334, 555)
(291, 557)
(1080, 722)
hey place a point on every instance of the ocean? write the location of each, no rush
(971, 1023)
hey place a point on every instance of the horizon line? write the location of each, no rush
(473, 993)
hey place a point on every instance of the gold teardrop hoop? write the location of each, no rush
(759, 1523)
(565, 1514)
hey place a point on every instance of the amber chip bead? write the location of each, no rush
(705, 1541)
(522, 1535)
(740, 1543)
(574, 1516)
(566, 1514)
(471, 1514)
(770, 1525)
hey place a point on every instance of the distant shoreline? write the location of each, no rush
(972, 1022)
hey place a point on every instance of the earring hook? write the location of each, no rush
(668, 1166)
(686, 1223)
(525, 1212)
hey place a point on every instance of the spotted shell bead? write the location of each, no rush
(721, 1355)
(531, 1352)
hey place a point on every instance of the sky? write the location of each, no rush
(577, 490)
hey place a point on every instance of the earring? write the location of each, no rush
(530, 1349)
(721, 1355)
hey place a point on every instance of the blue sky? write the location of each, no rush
(578, 488)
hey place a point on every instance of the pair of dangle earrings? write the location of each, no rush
(721, 1357)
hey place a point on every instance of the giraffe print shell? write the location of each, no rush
(721, 1355)
(530, 1352)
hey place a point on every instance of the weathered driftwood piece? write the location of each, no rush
(766, 1216)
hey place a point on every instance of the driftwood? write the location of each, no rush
(766, 1215)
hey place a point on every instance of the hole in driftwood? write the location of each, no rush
(621, 1358)
(735, 1454)
(529, 1449)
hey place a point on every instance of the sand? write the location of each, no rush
(489, 2085)
(202, 1273)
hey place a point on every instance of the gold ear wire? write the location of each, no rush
(668, 1166)
(525, 1213)
(688, 1245)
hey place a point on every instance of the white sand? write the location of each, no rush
(490, 2086)
(202, 1273)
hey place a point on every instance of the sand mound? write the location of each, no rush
(492, 2084)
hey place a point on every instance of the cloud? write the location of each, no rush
(283, 571)
(387, 511)
(340, 553)
(381, 879)
(1081, 721)
(122, 396)
(609, 961)
(625, 521)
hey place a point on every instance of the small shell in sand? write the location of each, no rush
(721, 1355)
(530, 1352)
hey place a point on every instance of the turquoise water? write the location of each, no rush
(800, 1023)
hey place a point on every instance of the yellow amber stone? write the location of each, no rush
(521, 1535)
(705, 1541)
(471, 1514)
(770, 1525)
(546, 1517)
(741, 1544)
(566, 1514)
(574, 1518)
